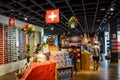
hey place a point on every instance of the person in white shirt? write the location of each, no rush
(89, 47)
(96, 55)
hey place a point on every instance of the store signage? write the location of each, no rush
(52, 16)
(11, 22)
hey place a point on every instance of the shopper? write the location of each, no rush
(71, 53)
(75, 59)
(37, 49)
(96, 55)
(89, 47)
(27, 53)
(36, 52)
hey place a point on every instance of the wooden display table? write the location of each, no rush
(78, 66)
(64, 73)
(85, 59)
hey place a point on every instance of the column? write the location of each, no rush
(113, 41)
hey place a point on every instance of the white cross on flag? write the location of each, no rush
(12, 21)
(52, 16)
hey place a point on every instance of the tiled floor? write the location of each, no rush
(107, 71)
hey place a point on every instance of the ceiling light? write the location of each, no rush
(20, 13)
(102, 9)
(111, 9)
(109, 16)
(112, 13)
(12, 10)
(25, 18)
(52, 28)
(98, 20)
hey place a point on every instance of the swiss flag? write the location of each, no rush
(12, 21)
(52, 16)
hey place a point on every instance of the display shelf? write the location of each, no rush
(11, 44)
(64, 73)
(3, 47)
(85, 59)
(21, 45)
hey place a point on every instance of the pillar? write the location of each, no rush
(113, 41)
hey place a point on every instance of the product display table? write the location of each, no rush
(40, 71)
(85, 61)
(64, 73)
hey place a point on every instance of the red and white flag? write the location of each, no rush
(52, 16)
(11, 21)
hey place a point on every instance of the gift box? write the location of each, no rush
(68, 61)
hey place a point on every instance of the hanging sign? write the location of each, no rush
(11, 22)
(52, 16)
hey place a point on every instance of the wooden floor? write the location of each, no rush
(106, 71)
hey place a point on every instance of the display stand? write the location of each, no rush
(64, 73)
(40, 71)
(85, 61)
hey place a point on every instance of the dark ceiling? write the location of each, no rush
(92, 14)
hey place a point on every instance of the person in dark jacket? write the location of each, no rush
(75, 59)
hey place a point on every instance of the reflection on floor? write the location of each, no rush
(107, 71)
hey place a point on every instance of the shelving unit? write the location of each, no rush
(21, 45)
(64, 73)
(11, 44)
(3, 45)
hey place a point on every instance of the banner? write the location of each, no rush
(11, 21)
(52, 16)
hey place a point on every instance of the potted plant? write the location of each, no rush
(72, 22)
(28, 28)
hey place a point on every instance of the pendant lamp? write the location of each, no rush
(85, 40)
